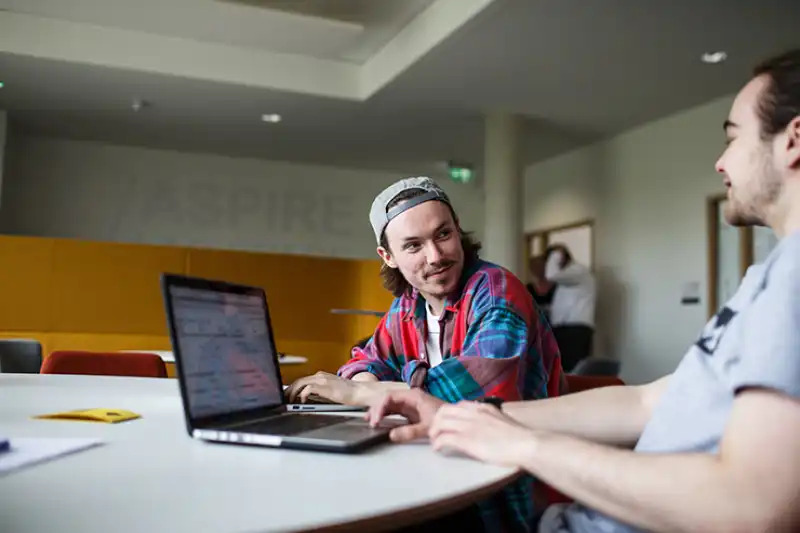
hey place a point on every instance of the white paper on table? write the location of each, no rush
(30, 451)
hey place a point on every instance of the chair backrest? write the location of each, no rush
(146, 365)
(545, 494)
(597, 366)
(557, 382)
(20, 356)
(582, 383)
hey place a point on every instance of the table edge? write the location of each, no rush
(418, 514)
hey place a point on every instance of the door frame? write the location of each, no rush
(746, 253)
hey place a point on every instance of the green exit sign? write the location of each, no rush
(461, 174)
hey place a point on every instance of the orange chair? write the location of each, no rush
(145, 365)
(545, 494)
(557, 383)
(582, 383)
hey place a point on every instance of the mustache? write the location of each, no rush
(439, 267)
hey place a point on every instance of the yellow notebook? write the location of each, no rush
(110, 416)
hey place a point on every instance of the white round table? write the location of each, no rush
(150, 476)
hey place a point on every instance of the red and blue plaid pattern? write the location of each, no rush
(495, 342)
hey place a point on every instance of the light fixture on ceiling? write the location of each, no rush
(714, 58)
(272, 118)
(2, 84)
(138, 104)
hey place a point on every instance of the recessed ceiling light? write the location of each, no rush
(138, 104)
(272, 118)
(713, 58)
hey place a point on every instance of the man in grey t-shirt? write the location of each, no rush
(752, 343)
(716, 445)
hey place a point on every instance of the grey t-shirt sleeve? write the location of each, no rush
(769, 354)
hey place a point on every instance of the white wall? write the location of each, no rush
(564, 189)
(63, 188)
(647, 190)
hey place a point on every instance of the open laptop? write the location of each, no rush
(229, 376)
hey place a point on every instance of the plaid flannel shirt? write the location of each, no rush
(495, 342)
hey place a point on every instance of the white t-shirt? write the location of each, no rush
(433, 343)
(575, 294)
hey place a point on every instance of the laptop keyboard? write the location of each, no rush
(291, 424)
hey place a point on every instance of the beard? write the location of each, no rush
(442, 287)
(749, 205)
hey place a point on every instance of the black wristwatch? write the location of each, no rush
(493, 400)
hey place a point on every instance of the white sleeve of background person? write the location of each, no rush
(770, 343)
(571, 274)
(553, 265)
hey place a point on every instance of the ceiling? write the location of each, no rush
(365, 12)
(347, 30)
(395, 84)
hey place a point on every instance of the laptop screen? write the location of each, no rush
(227, 355)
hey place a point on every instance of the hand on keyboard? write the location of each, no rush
(324, 387)
(317, 399)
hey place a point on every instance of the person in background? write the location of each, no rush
(573, 305)
(459, 328)
(541, 289)
(717, 443)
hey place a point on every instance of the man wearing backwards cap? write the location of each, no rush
(459, 328)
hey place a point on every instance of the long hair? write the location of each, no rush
(392, 278)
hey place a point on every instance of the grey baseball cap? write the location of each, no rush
(380, 215)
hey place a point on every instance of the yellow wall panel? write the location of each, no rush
(301, 290)
(26, 282)
(371, 293)
(325, 356)
(106, 342)
(111, 288)
(76, 295)
(368, 293)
